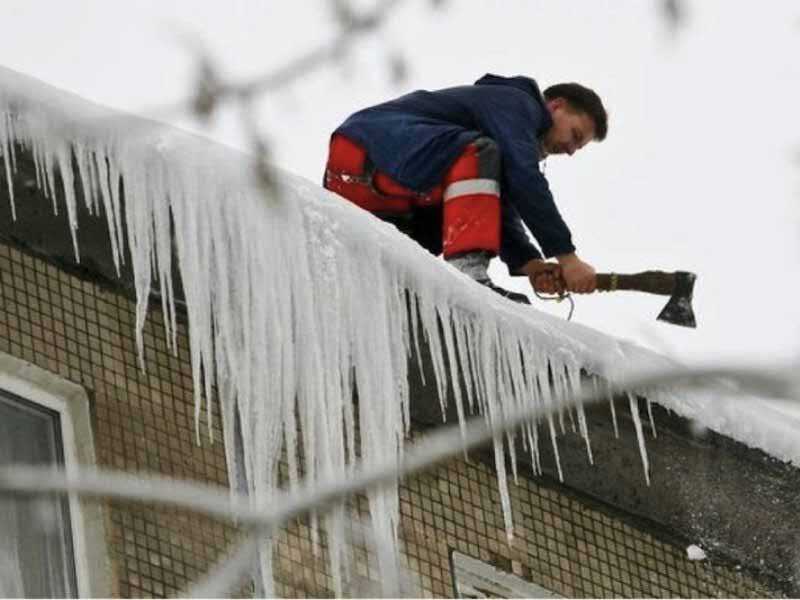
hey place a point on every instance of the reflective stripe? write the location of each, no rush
(471, 186)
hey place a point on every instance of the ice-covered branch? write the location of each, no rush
(211, 88)
(674, 13)
(229, 572)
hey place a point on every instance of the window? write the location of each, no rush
(474, 578)
(47, 543)
(35, 534)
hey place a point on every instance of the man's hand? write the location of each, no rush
(579, 277)
(545, 277)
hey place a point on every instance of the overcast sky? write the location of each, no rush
(700, 171)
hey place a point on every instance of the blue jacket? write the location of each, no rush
(415, 139)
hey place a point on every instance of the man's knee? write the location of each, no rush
(472, 213)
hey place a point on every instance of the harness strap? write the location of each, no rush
(348, 177)
(368, 179)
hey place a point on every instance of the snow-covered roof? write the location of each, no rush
(292, 301)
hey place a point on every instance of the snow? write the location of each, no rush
(694, 552)
(294, 301)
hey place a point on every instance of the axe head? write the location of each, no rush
(678, 310)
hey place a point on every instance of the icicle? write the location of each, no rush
(7, 145)
(637, 422)
(162, 258)
(502, 484)
(558, 387)
(566, 391)
(514, 390)
(414, 316)
(574, 376)
(537, 457)
(41, 180)
(456, 359)
(430, 318)
(477, 334)
(652, 421)
(98, 160)
(512, 453)
(613, 409)
(115, 204)
(49, 175)
(404, 351)
(334, 524)
(530, 395)
(94, 182)
(64, 162)
(84, 177)
(543, 379)
(469, 367)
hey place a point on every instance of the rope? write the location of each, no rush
(559, 298)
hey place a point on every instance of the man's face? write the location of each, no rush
(571, 129)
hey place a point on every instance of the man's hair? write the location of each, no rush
(582, 99)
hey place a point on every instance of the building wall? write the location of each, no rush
(141, 421)
(84, 332)
(569, 545)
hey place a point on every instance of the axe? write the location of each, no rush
(679, 286)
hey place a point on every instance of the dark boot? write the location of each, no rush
(514, 296)
(475, 264)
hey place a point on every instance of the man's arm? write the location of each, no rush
(527, 191)
(512, 120)
(516, 249)
(523, 258)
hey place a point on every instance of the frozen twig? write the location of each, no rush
(229, 572)
(212, 89)
(674, 13)
(435, 448)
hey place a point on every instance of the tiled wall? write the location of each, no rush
(141, 421)
(566, 544)
(144, 422)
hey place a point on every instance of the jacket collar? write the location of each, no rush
(525, 84)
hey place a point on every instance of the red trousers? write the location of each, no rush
(466, 202)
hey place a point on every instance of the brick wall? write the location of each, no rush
(141, 421)
(569, 545)
(84, 332)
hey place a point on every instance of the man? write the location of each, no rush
(458, 170)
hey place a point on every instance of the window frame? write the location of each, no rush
(494, 576)
(38, 386)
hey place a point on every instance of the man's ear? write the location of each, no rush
(555, 103)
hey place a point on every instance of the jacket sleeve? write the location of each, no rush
(512, 120)
(515, 247)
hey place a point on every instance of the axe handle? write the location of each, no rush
(653, 282)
